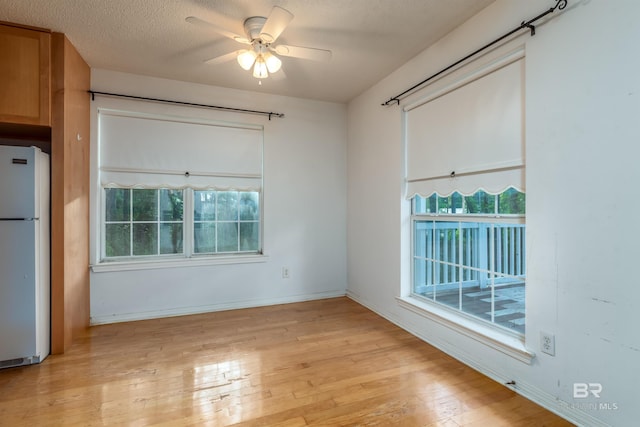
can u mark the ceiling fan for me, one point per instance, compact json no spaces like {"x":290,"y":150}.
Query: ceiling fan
{"x":260,"y":34}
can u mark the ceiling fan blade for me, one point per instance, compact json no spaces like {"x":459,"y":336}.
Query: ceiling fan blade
{"x":303,"y":52}
{"x":222,"y":58}
{"x":213,"y":27}
{"x":277,"y":21}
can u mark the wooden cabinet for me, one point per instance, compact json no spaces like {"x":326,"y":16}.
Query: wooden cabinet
{"x":44,"y":101}
{"x":25,"y":70}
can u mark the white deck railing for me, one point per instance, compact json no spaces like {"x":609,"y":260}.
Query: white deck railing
{"x":450,"y":254}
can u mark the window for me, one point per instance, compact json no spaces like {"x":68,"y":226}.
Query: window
{"x":469,"y":254}
{"x":175,"y":187}
{"x":465,"y":178}
{"x":146,"y":223}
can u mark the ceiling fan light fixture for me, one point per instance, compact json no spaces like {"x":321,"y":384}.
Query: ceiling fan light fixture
{"x":246,"y":58}
{"x":261,"y":54}
{"x":273,"y":62}
{"x":260,"y":68}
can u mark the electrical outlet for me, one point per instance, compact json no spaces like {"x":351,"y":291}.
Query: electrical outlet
{"x":548,"y":343}
{"x":285,"y":272}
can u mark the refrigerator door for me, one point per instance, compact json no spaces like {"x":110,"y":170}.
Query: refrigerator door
{"x":18,"y":289}
{"x":19,"y":182}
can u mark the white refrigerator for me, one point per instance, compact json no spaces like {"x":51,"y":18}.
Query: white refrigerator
{"x":24,"y":256}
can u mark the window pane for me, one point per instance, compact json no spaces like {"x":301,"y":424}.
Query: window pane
{"x":249,"y":236}
{"x":423,"y":239}
{"x":145,"y":205}
{"x":451,"y":204}
{"x":423,"y":277}
{"x":249,"y":207}
{"x":480,"y":203}
{"x":204,"y":235}
{"x":204,"y":205}
{"x":509,"y":249}
{"x":171,"y":205}
{"x":511,"y":201}
{"x":117,"y":240}
{"x":447,"y":288}
{"x":478,"y":268}
{"x":227,"y":205}
{"x":227,"y":237}
{"x":170,"y":238}
{"x":145,"y":239}
{"x":423,"y":205}
{"x":117,"y":204}
{"x":509,"y":306}
{"x":446,"y":249}
{"x":476,"y":300}
{"x":432,"y":203}
{"x":470,"y":241}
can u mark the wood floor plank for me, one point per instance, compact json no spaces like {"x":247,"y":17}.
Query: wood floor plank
{"x":318,"y":363}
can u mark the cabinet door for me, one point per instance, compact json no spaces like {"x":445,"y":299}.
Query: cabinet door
{"x":25,"y":76}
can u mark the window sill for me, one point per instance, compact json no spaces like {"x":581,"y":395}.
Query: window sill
{"x":151,"y":264}
{"x":504,"y":342}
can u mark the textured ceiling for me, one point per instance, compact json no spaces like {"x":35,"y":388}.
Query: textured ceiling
{"x":369,"y":38}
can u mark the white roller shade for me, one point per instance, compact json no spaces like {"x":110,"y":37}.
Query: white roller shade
{"x":138,"y":150}
{"x":469,"y":136}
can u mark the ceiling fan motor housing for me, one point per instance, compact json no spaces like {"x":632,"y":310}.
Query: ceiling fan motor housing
{"x":253,"y":26}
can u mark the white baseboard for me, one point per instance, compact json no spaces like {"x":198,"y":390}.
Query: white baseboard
{"x":541,"y":397}
{"x":234,"y":305}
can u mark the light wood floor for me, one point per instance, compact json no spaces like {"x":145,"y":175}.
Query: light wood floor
{"x":329,"y":362}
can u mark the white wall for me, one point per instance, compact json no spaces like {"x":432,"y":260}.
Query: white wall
{"x":304,"y":208}
{"x":582,"y":135}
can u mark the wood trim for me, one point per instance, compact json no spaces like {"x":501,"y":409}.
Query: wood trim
{"x":77,"y":143}
{"x":45,"y":79}
{"x":26,"y":27}
{"x":69,"y":195}
{"x":57,"y":197}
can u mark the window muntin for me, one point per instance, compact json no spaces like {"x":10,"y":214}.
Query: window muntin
{"x":144,"y":223}
{"x":469,"y":254}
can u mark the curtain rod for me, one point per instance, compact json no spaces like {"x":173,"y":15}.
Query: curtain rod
{"x":560,"y":4}
{"x":189,"y":104}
